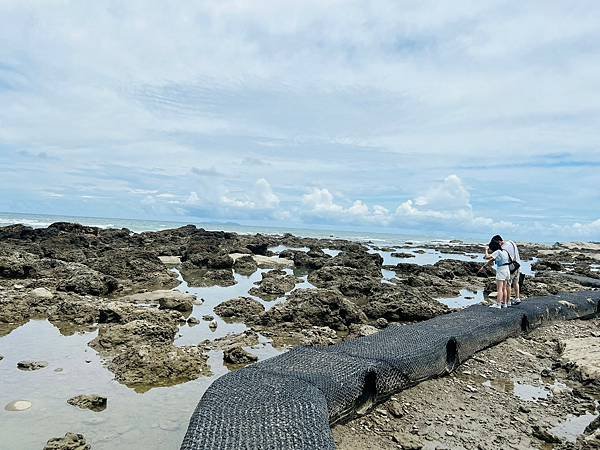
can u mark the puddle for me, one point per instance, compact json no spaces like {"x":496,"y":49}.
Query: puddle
{"x":215,"y":295}
{"x":82,"y":373}
{"x":280,"y":248}
{"x":465,"y":299}
{"x":427,"y":256}
{"x":154,"y":419}
{"x":524,"y":391}
{"x":387,"y":275}
{"x":572,"y":427}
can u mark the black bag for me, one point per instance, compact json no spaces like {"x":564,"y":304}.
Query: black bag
{"x":513,"y":265}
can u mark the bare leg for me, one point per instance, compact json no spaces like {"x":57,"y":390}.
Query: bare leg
{"x":507,"y":292}
{"x":517,"y":287}
{"x":500,"y":292}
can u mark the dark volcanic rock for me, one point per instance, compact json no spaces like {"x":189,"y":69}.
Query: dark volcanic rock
{"x":350,"y":281}
{"x":206,"y":277}
{"x":403,"y":306}
{"x":544,"y":264}
{"x":70,"y":441}
{"x":134,"y":265}
{"x":243,"y":309}
{"x":245,"y":265}
{"x":274,"y":283}
{"x":141,"y":354}
{"x":17,"y":265}
{"x":238,"y":356}
{"x":86,"y":281}
{"x":92,"y":402}
{"x":403,"y":255}
{"x":76,"y":311}
{"x":132,"y":333}
{"x":31,"y":365}
{"x":180,"y":303}
{"x":146,"y":366}
{"x":259,"y":248}
{"x":306,"y":307}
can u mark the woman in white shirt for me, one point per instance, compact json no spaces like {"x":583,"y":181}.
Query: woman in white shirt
{"x":501,"y":259}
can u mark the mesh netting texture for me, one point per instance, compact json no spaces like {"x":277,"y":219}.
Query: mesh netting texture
{"x":290,"y":401}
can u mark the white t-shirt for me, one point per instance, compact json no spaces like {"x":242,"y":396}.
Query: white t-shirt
{"x":512,"y":249}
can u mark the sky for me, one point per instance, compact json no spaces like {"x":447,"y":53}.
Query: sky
{"x":442,"y":118}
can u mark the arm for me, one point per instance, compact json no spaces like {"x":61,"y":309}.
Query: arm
{"x":489,"y":261}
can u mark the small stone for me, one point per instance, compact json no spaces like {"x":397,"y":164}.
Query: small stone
{"x":382,"y":322}
{"x":18,"y":286}
{"x":31,"y":365}
{"x":407,"y":441}
{"x":395,"y":409}
{"x":543,"y":435}
{"x":237,"y":355}
{"x":208,"y":317}
{"x":213,"y":325}
{"x":193,"y":320}
{"x":18,"y":405}
{"x":42,"y":293}
{"x":449,"y":433}
{"x":524,"y":409}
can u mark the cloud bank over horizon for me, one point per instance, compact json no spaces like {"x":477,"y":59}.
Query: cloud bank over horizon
{"x":387,"y":115}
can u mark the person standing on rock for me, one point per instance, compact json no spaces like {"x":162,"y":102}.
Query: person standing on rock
{"x":501,"y":258}
{"x":513,"y":251}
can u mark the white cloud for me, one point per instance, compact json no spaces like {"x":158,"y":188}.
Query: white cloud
{"x":261,"y":197}
{"x":193,"y":199}
{"x":445,"y":205}
{"x":224,"y":91}
{"x":320,"y":204}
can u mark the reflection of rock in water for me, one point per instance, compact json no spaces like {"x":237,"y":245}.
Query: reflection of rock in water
{"x":7,"y":328}
{"x":141,"y":354}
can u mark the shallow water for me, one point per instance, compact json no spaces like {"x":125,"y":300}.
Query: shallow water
{"x":465,"y":299}
{"x":156,"y":419}
{"x":524,"y":391}
{"x":573,"y":426}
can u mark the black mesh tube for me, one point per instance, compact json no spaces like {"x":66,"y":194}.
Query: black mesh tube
{"x":290,"y":401}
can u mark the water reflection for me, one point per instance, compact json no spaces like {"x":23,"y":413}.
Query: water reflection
{"x":465,"y":299}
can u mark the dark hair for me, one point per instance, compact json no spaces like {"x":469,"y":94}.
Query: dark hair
{"x":494,"y":245}
{"x":497,"y":238}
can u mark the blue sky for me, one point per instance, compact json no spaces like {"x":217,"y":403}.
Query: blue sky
{"x":440,"y":117}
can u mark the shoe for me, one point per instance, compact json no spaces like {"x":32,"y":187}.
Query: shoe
{"x":517,"y":301}
{"x":495,"y":305}
{"x":509,"y":304}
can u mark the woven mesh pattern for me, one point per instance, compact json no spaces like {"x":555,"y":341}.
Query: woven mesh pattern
{"x":562,"y":306}
{"x":289,"y":401}
{"x":252,"y":410}
{"x":341,"y":378}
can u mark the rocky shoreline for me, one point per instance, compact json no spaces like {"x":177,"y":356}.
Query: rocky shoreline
{"x":310,"y":292}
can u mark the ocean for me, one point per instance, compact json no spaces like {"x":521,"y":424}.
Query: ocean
{"x":138,"y":226}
